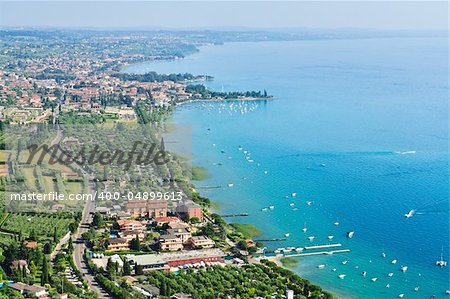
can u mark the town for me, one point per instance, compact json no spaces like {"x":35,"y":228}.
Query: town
{"x":52,"y":82}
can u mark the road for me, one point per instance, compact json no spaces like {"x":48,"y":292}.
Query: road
{"x":79,"y":243}
{"x":79,"y":246}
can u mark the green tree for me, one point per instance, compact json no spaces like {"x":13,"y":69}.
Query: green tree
{"x":45,"y":273}
{"x":135,"y":244}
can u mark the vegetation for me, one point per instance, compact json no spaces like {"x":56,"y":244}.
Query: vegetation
{"x":199,"y":173}
{"x":249,"y":281}
{"x":155,"y":77}
{"x":289,"y":262}
{"x":248,"y":230}
{"x":206,"y":93}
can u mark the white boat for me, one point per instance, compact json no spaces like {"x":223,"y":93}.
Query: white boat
{"x":388,"y":286}
{"x":410,"y":214}
{"x":344,"y":262}
{"x":447,"y":292}
{"x":309,"y":203}
{"x":323,"y":165}
{"x":311,"y":238}
{"x":374,"y":279}
{"x":330,"y":237}
{"x":334,"y":270}
{"x":401,"y":295}
{"x":271,"y":207}
{"x":292,"y":204}
{"x":341,"y":276}
{"x":390,"y":274}
{"x":394,"y":262}
{"x":404,"y":268}
{"x":286,"y":235}
{"x":441,"y":263}
{"x":277,"y":251}
{"x":266,"y":172}
{"x":383,"y":254}
{"x":416,"y":289}
{"x":304,"y":229}
{"x":364,"y":273}
{"x":350,"y":234}
{"x":264,"y":209}
{"x":291,"y":248}
{"x":321,"y":266}
{"x":336,"y":223}
{"x":294,"y":194}
{"x":299,"y":249}
{"x":230,"y":185}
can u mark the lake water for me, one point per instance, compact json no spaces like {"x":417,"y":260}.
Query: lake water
{"x":358,"y":127}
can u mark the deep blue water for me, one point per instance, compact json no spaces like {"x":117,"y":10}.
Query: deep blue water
{"x":343,"y":112}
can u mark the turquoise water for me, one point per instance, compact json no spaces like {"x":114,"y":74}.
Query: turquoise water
{"x":343,"y":114}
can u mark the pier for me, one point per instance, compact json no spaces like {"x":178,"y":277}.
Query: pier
{"x":317,"y":253}
{"x":234,"y":215}
{"x":270,"y":240}
{"x":323,"y":246}
{"x":209,"y":187}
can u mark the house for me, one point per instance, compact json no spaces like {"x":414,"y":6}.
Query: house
{"x":130,"y":225}
{"x":150,"y":208}
{"x":200,"y":242}
{"x":166,"y":220}
{"x":183,"y":233}
{"x":190,"y":210}
{"x":132,"y":234}
{"x":170,"y":242}
{"x":29,"y":290}
{"x":117,"y":244}
{"x":30,"y":244}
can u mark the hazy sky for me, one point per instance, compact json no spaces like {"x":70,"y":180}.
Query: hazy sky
{"x":414,"y":15}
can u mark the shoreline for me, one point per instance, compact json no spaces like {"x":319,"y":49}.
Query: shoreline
{"x":215,"y":100}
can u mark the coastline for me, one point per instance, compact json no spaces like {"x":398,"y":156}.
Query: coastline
{"x":249,"y":99}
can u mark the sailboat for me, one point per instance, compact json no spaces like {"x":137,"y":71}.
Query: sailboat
{"x":441,"y":263}
{"x":304,"y":229}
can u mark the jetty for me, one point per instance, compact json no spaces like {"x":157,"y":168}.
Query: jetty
{"x":323,"y":246}
{"x":317,"y":253}
{"x":209,"y":187}
{"x":270,"y":240}
{"x":234,"y":215}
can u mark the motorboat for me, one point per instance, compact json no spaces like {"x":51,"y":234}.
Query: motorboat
{"x":330,"y":237}
{"x":374,"y":279}
{"x":311,"y":238}
{"x":321,"y":266}
{"x":350,"y":234}
{"x":404,"y":268}
{"x":341,"y":276}
{"x":390,"y":274}
{"x":394,"y":262}
{"x":410,"y":214}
